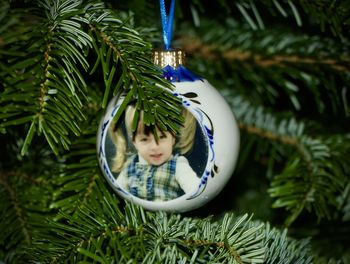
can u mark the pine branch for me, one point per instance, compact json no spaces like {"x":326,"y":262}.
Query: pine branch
{"x":288,"y":63}
{"x":50,"y":75}
{"x":17,"y":213}
{"x":19,"y":219}
{"x":100,"y":232}
{"x":284,"y":250}
{"x":315,"y":173}
{"x":335,"y":14}
{"x":120,"y":47}
{"x":322,"y":179}
{"x":52,"y":69}
{"x":326,"y":14}
{"x":79,"y":172}
{"x":345,"y":202}
{"x":288,"y":91}
{"x":79,"y":181}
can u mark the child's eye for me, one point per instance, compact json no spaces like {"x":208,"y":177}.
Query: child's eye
{"x":143,"y":139}
{"x":163,"y":135}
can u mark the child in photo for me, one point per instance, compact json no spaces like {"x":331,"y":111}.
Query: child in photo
{"x":158,"y":171}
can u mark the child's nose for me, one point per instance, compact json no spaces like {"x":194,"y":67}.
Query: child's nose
{"x":154,"y":143}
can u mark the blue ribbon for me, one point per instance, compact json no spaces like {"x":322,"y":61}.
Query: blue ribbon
{"x":180,"y":73}
{"x":167,"y":22}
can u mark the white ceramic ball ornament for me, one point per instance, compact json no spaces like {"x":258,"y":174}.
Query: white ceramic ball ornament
{"x":216,"y":142}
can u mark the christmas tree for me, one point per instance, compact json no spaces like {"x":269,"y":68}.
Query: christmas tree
{"x":284,"y":68}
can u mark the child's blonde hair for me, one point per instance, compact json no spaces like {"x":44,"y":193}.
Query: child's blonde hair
{"x":184,"y":143}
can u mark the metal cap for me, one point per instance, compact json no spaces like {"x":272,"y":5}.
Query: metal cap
{"x":173,"y":58}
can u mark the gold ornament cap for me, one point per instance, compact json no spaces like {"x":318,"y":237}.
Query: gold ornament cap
{"x":173,"y":58}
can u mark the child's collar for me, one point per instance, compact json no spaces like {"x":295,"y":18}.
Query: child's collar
{"x":144,"y":162}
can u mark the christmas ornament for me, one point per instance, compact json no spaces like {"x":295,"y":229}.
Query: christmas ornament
{"x":175,"y":172}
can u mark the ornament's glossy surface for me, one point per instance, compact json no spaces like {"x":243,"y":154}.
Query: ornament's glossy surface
{"x":213,"y":155}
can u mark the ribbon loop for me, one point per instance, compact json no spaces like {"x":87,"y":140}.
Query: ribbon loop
{"x":167,"y":22}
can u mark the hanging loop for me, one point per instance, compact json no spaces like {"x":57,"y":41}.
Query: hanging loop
{"x":167,"y":22}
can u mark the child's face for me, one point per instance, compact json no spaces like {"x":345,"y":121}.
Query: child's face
{"x":155,"y":153}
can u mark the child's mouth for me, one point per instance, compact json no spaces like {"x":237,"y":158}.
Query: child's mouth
{"x":156,"y":156}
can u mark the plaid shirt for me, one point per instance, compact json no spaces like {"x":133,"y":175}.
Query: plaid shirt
{"x":149,"y":182}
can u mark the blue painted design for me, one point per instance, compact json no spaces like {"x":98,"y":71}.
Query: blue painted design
{"x":211,"y":140}
{"x":205,"y":177}
{"x":179,"y":74}
{"x":104,"y":126}
{"x":115,"y":110}
{"x":208,"y":130}
{"x":121,"y":190}
{"x":101,"y":151}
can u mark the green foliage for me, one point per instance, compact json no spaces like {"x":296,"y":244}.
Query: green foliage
{"x":52,"y":62}
{"x":316,"y":169}
{"x":101,"y":232}
{"x":25,"y":196}
{"x":327,"y":15}
{"x":51,"y":85}
{"x":78,"y":174}
{"x":116,"y":47}
{"x":282,"y":65}
{"x":285,"y":250}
